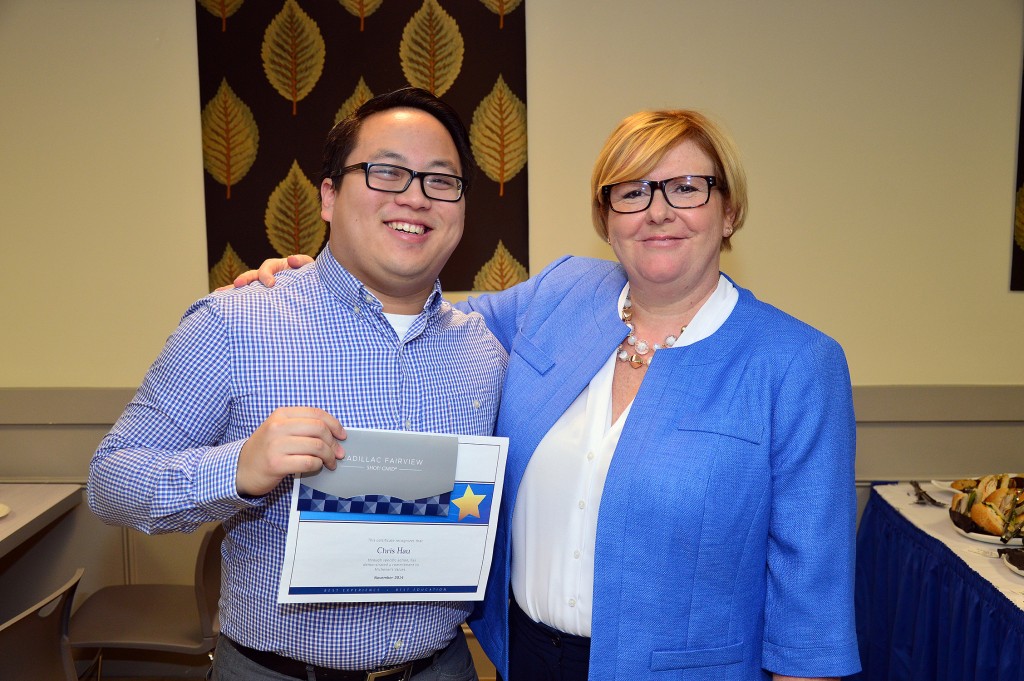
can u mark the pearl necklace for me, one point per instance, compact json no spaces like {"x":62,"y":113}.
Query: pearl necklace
{"x":639,"y":346}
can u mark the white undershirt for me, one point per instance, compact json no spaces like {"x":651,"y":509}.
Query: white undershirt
{"x":401,"y":323}
{"x":559,"y":496}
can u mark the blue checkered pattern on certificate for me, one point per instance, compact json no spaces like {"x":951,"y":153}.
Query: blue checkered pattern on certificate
{"x":314,"y":500}
{"x":319,"y":339}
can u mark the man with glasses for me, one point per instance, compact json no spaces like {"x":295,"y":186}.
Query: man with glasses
{"x":255,"y":384}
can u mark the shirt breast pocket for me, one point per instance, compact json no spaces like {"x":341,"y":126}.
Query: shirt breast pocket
{"x":462,"y":409}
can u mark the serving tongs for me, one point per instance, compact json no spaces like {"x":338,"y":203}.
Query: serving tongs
{"x":923,"y":497}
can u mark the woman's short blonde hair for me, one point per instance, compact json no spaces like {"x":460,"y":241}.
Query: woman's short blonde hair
{"x":640,"y":141}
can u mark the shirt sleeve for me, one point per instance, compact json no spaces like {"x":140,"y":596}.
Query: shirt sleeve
{"x":164,"y":467}
{"x":809,"y":615}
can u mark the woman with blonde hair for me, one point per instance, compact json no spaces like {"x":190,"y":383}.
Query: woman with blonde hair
{"x":679,"y":499}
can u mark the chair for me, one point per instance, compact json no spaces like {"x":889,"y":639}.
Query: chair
{"x":157,"y":617}
{"x":35,"y":643}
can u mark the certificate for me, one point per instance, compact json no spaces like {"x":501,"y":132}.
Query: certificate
{"x":404,"y":517}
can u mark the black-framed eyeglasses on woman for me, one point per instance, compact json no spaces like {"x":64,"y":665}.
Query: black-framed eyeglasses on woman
{"x":686,"y":191}
{"x":385,"y":177}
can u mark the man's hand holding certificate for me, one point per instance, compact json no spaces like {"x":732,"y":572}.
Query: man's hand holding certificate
{"x":404,"y":517}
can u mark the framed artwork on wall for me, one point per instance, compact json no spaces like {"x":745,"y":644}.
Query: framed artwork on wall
{"x":276,"y":75}
{"x":1017,"y":242}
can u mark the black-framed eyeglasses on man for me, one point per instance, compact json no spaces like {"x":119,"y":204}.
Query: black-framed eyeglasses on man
{"x":634,"y":196}
{"x":385,"y":177}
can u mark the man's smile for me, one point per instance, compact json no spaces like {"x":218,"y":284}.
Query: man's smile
{"x":408,"y":227}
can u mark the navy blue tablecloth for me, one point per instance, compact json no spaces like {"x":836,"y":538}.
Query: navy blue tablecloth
{"x":923,"y":614}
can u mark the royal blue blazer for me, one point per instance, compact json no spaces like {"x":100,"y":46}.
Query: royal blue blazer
{"x":725,"y":537}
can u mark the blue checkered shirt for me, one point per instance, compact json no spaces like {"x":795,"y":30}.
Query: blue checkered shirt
{"x":318,"y":338}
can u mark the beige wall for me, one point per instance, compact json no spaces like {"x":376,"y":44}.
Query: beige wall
{"x":880,"y":139}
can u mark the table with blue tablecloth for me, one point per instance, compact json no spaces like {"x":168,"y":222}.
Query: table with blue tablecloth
{"x":933,"y":604}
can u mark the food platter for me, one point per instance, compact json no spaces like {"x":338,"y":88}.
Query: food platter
{"x":990,"y":509}
{"x":988,"y":538}
{"x":947,"y":485}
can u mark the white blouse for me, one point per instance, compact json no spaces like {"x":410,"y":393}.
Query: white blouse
{"x":560,"y":494}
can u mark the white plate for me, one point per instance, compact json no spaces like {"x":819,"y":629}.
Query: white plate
{"x":947,"y":485}
{"x":4,"y":510}
{"x":988,"y":538}
{"x":1014,"y":568}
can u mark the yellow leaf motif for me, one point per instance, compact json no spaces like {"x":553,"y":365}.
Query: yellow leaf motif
{"x":498,"y":134}
{"x":293,"y":215}
{"x":361,"y":9}
{"x":222,"y":9}
{"x":501,"y":8}
{"x":230,"y":137}
{"x":293,"y":53}
{"x":431,"y":49}
{"x":225,"y":271}
{"x":502,"y":271}
{"x":1018,"y":223}
{"x":361,"y":95}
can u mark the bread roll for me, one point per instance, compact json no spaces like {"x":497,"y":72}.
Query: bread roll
{"x":987,"y":485}
{"x":998,"y":510}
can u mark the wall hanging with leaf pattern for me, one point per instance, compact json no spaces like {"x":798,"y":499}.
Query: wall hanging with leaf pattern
{"x":275,"y":75}
{"x":1017,"y":243}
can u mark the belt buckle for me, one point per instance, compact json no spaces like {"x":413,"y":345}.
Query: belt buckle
{"x":406,"y":668}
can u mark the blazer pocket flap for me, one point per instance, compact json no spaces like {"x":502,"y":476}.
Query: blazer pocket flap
{"x":663,"y":660}
{"x":747,"y":430}
{"x":534,"y":356}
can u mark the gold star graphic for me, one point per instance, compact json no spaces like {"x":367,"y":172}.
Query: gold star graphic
{"x":469,"y":503}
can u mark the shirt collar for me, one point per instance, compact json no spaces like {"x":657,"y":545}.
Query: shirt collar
{"x":349,"y":290}
{"x":710,"y":317}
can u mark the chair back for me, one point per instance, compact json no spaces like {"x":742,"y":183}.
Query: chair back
{"x":208,"y":582}
{"x":35,"y":643}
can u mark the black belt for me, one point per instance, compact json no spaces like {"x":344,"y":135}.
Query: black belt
{"x":301,"y":670}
